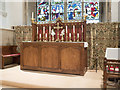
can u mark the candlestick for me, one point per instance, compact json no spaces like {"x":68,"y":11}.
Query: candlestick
{"x":73,"y":28}
{"x":70,"y":37}
{"x":62,"y":38}
{"x":85,"y":16}
{"x":37,"y":31}
{"x":32,"y":15}
{"x":49,"y":33}
{"x":43,"y":33}
{"x":66,"y":34}
{"x":69,"y":34}
{"x":73,"y":32}
{"x":52,"y":38}
{"x":53,"y":33}
{"x":43,"y":30}
{"x":77,"y":37}
{"x":33,"y":19}
{"x":46,"y":35}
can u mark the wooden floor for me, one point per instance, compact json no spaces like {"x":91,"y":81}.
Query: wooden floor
{"x":14,"y":77}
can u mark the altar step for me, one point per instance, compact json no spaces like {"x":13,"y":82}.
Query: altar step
{"x":15,"y":77}
{"x":10,"y":84}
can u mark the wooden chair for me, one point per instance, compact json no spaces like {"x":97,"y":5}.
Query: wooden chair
{"x":111,"y":67}
{"x":6,"y":52}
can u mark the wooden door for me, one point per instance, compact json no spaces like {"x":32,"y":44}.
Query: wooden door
{"x":30,"y":56}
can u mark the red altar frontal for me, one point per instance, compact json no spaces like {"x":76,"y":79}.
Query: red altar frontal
{"x":56,"y":47}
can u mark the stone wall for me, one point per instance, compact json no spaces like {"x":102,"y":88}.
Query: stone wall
{"x":99,"y":36}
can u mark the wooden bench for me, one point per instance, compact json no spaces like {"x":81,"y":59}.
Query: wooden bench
{"x":7,"y":52}
{"x":111,"y":70}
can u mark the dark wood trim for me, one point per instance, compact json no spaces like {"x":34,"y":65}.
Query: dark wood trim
{"x":34,"y":32}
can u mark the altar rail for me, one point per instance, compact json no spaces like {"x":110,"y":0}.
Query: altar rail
{"x":73,"y":31}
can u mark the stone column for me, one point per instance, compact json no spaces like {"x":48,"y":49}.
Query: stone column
{"x":114,"y":11}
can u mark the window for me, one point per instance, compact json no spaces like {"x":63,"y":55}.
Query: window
{"x":91,"y":8}
{"x":43,"y":10}
{"x":50,"y":10}
{"x":57,"y":9}
{"x":74,"y":9}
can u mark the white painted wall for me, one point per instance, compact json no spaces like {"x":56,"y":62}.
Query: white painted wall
{"x":0,"y":37}
{"x":12,"y":16}
{"x":14,"y":13}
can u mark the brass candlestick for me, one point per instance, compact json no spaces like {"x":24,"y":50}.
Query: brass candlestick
{"x":52,"y":38}
{"x":33,"y":21}
{"x":62,"y":38}
{"x":46,"y":37}
{"x":57,"y":40}
{"x":67,"y":38}
{"x":85,"y":16}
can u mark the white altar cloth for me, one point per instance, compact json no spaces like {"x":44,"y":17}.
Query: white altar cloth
{"x":112,"y":53}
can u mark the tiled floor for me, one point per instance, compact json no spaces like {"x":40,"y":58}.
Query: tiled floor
{"x":15,"y":77}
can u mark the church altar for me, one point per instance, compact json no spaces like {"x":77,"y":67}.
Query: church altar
{"x":103,"y":34}
{"x":56,"y":47}
{"x":63,"y":57}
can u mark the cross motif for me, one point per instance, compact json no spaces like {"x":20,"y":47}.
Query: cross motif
{"x":58,"y":27}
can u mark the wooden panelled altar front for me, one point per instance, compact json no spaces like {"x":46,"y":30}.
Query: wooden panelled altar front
{"x":54,"y":56}
{"x":56,"y":47}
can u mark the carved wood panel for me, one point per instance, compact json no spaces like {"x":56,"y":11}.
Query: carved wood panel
{"x":54,"y":57}
{"x":70,"y":59}
{"x":30,"y":56}
{"x":49,"y":57}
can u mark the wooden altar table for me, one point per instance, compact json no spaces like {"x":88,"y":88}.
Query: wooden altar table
{"x":63,"y":57}
{"x":56,"y":47}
